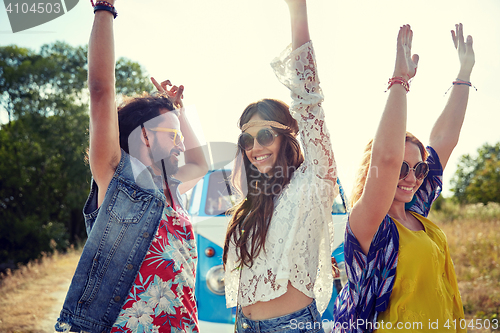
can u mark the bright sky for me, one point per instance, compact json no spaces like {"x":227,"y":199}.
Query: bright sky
{"x":220,"y":51}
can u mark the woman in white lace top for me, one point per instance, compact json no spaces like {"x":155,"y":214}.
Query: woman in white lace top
{"x":278,"y":247}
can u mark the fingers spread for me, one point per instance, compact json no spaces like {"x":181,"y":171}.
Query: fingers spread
{"x":461,"y":36}
{"x":410,"y":39}
{"x":400,"y":35}
{"x":164,"y":84}
{"x":156,"y":84}
{"x":178,"y":96}
{"x":415,"y":58}
{"x":404,"y":37}
{"x":181,"y":90}
{"x":469,"y":40}
{"x":468,"y":46}
{"x":455,"y":39}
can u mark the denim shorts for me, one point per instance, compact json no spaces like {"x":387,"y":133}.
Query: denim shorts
{"x":307,"y":319}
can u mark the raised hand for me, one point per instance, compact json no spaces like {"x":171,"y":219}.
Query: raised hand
{"x":175,"y":93}
{"x":465,"y":51}
{"x":298,"y":19}
{"x":406,"y":64}
{"x":295,"y":2}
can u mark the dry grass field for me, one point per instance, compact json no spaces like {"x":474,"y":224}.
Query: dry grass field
{"x":473,"y":234}
{"x":31,"y":296}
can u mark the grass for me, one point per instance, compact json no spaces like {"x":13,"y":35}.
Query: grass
{"x":473,"y":233}
{"x":30,"y":293}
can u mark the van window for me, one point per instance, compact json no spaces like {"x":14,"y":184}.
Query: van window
{"x":338,"y":205}
{"x":194,"y":196}
{"x":219,"y":199}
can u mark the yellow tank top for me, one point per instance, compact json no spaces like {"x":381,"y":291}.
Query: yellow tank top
{"x":425,"y":296}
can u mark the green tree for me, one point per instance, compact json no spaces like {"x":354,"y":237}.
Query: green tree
{"x":44,"y":179}
{"x":477,"y":179}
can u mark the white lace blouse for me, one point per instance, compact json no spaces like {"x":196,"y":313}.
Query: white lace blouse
{"x":300,"y":236}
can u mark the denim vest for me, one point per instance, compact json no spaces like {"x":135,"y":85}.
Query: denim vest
{"x":120,"y":233}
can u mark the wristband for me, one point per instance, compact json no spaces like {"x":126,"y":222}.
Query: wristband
{"x":459,"y":82}
{"x":104,"y":5}
{"x":399,"y":80}
{"x":463,"y":83}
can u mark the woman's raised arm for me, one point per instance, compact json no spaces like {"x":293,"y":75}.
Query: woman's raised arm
{"x":104,"y":153}
{"x":298,"y":17}
{"x":446,"y":130}
{"x":387,"y":150}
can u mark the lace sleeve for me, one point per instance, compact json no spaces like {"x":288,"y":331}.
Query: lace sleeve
{"x":430,"y":188}
{"x":297,"y":71}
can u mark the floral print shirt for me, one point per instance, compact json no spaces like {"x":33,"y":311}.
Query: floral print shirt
{"x":162,"y":297}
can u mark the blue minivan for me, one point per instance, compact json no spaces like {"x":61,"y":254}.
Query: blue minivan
{"x":207,"y":205}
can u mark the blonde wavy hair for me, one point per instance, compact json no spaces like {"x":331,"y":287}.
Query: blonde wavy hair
{"x":359,"y":184}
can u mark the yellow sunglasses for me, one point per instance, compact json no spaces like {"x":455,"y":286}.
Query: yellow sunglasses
{"x":178,"y":137}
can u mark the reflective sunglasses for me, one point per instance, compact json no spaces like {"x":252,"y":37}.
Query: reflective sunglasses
{"x":421,"y":170}
{"x":265,"y":137}
{"x":178,"y":137}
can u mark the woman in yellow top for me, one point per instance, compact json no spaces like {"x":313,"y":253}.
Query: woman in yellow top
{"x":401,"y":276}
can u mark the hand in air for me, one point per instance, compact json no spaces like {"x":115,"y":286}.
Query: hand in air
{"x":174,"y":94}
{"x":295,"y":2}
{"x":464,"y":48}
{"x":406,"y":64}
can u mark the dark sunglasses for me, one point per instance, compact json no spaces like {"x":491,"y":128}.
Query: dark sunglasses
{"x":265,"y":137}
{"x":421,"y":170}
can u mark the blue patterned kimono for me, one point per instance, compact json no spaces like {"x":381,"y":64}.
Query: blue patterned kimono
{"x":371,"y":277}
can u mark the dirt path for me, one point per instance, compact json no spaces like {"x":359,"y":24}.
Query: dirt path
{"x":47,"y":325}
{"x":33,"y":295}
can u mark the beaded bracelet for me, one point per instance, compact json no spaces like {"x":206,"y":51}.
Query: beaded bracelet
{"x":399,"y":80}
{"x":104,"y":5}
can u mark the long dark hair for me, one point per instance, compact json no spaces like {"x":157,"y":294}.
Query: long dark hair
{"x":251,"y":216}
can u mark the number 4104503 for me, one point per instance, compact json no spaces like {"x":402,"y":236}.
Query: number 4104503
{"x":472,"y":324}
{"x":38,"y":8}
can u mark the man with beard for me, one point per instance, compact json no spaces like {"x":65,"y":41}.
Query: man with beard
{"x":137,"y":269}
